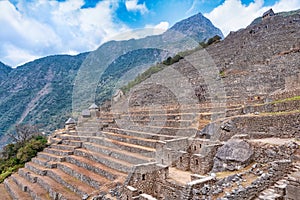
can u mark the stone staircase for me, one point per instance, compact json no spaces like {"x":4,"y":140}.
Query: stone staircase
{"x":95,"y":157}
{"x":63,"y":171}
{"x":277,"y":190}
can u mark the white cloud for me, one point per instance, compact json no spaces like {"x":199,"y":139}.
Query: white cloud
{"x":141,"y":33}
{"x":286,"y":5}
{"x":40,"y":28}
{"x":158,"y":28}
{"x":233,"y":15}
{"x":162,"y":26}
{"x":17,"y":55}
{"x":132,"y":5}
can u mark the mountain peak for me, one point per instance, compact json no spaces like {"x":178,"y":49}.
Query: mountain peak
{"x":197,"y":27}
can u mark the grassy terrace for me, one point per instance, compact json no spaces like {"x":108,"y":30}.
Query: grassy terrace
{"x":296,"y":98}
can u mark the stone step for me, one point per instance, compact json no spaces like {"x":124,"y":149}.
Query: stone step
{"x":268,"y":191}
{"x":70,"y":182}
{"x":51,"y":157}
{"x":44,"y":162}
{"x":129,"y":139}
{"x":108,"y":161}
{"x":184,"y":132}
{"x":54,"y":140}
{"x":4,"y":193}
{"x":73,"y":133}
{"x":160,"y":123}
{"x":87,"y":129}
{"x":190,"y":108}
{"x":82,"y":174}
{"x":107,"y":120}
{"x":87,"y":133}
{"x":162,"y":116}
{"x":14,"y":191}
{"x":57,"y":152}
{"x":146,"y":151}
{"x":141,"y":134}
{"x":281,"y":181}
{"x":68,"y":176}
{"x":63,"y":147}
{"x":74,"y":137}
{"x":117,"y":153}
{"x":54,"y":189}
{"x":28,"y":175}
{"x":72,"y":143}
{"x":270,"y":196}
{"x":33,"y":189}
{"x":37,"y":169}
{"x":95,"y":167}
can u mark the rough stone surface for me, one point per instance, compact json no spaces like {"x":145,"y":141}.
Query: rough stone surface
{"x":232,"y":154}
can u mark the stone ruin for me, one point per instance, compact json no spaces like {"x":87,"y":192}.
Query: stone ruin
{"x":94,"y":158}
{"x":180,"y":151}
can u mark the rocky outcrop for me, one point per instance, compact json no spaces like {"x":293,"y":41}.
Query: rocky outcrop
{"x":233,"y":155}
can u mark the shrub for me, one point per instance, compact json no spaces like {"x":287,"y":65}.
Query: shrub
{"x":17,"y":154}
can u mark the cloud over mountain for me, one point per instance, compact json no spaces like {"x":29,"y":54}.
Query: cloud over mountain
{"x":233,"y":14}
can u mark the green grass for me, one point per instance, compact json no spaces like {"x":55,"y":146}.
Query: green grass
{"x":222,"y":74}
{"x":9,"y":171}
{"x":279,"y":113}
{"x":295,"y":98}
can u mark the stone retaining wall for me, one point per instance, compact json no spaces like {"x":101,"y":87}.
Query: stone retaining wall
{"x":264,"y":153}
{"x":261,"y":126}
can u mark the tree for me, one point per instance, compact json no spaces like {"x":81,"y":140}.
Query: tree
{"x":214,"y":39}
{"x":24,"y":132}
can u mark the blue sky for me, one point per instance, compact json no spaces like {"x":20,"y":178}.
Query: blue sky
{"x":31,"y":29}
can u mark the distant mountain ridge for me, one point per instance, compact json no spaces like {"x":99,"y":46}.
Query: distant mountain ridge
{"x":197,"y":27}
{"x":40,"y":92}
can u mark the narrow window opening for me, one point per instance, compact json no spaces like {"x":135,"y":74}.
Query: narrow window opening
{"x":143,"y":177}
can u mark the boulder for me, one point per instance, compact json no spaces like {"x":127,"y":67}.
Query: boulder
{"x":227,"y":126}
{"x":232,"y":155}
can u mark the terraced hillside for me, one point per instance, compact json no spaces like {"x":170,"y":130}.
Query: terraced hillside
{"x":227,"y":129}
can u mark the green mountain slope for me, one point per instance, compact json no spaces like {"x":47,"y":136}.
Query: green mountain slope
{"x":38,"y":92}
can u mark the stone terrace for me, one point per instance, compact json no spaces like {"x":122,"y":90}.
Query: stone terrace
{"x":97,"y":155}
